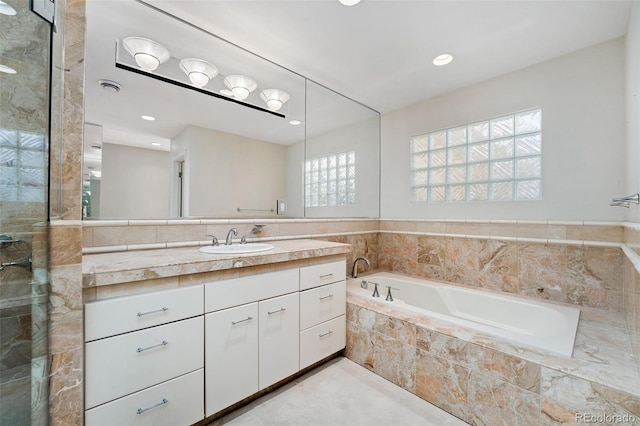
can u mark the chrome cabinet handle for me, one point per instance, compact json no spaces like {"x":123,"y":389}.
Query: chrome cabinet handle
{"x":143,"y":410}
{"x":163,"y":309}
{"x":275,"y":312}
{"x":326,"y":276}
{"x":164,"y":343}
{"x":325,"y":334}
{"x":242,"y":320}
{"x":326,"y":297}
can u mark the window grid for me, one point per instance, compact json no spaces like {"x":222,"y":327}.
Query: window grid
{"x":23,"y":166}
{"x":493,"y":160}
{"x":331,"y":180}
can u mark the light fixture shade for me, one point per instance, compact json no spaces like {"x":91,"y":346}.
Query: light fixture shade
{"x":147,"y":53}
{"x":274,"y":98}
{"x":240,"y":85}
{"x":199,"y":72}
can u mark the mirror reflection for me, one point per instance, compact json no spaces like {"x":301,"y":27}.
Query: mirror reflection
{"x":176,"y":132}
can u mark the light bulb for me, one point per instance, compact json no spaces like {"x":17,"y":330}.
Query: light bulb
{"x":147,"y":61}
{"x":198,"y":79}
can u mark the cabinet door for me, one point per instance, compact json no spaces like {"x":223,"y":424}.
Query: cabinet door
{"x":177,"y":402}
{"x":279,"y":338}
{"x":231,"y":356}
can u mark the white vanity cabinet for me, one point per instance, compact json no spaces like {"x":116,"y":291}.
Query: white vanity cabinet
{"x":251,"y":335}
{"x":322,"y":311}
{"x":142,"y":353}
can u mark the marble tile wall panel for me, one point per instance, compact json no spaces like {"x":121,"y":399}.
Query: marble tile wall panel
{"x":577,"y":274}
{"x":478,"y":384}
{"x":65,"y":357}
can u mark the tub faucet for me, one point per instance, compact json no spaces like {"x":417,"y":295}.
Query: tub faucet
{"x":389,"y":297}
{"x":232,"y":233}
{"x":354,"y":270}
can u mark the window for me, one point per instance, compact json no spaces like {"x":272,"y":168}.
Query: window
{"x":23,"y":166}
{"x":492,"y":160}
{"x":331,"y":181}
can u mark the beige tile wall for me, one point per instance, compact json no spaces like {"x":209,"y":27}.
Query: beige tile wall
{"x":477,"y":384}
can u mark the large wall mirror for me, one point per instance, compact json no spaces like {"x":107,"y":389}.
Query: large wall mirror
{"x":209,"y":151}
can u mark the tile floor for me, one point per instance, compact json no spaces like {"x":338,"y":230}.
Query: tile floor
{"x":339,"y":393}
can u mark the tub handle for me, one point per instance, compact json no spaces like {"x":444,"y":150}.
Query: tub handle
{"x":389,"y":297}
{"x":375,"y":289}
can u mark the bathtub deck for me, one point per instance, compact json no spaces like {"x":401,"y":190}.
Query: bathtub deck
{"x":602,"y":374}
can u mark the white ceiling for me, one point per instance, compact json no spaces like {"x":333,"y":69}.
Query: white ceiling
{"x":379,"y":52}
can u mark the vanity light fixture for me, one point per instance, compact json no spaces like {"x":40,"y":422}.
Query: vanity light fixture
{"x":240,"y":85}
{"x":199,"y":72}
{"x":295,"y":122}
{"x":349,"y":2}
{"x":5,"y":9}
{"x":443,"y":59}
{"x":7,"y":70}
{"x":148,"y":117}
{"x":274,"y":98}
{"x":147,"y":53}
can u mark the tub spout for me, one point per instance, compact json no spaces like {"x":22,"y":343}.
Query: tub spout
{"x":354,"y":270}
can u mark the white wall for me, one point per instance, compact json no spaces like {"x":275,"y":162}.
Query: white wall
{"x":362,"y":138}
{"x":134,"y":182}
{"x":226,"y":171}
{"x":632,"y":98}
{"x":583,"y":113}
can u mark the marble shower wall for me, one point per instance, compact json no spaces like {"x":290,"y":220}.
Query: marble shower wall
{"x":65,"y":230}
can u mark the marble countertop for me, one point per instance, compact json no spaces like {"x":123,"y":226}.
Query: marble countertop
{"x":115,"y":268}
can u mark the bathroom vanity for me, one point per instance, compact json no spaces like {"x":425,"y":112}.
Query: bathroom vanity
{"x":185,"y":353}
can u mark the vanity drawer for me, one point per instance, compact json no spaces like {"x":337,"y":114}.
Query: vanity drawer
{"x":124,"y":364}
{"x":238,"y":291}
{"x":326,"y":273}
{"x":321,"y":304}
{"x":123,"y":314}
{"x":178,"y":401}
{"x":322,"y":340}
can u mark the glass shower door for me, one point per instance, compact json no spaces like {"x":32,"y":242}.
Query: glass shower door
{"x":24,"y":142}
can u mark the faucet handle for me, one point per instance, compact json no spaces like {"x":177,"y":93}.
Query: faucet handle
{"x":243,"y":240}
{"x":389,"y":297}
{"x":214,"y":242}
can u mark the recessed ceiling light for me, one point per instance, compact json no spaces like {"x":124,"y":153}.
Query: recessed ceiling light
{"x":349,"y":2}
{"x":148,"y":118}
{"x":6,"y":69}
{"x":5,"y":9}
{"x":294,"y":122}
{"x":156,"y":144}
{"x":443,"y":59}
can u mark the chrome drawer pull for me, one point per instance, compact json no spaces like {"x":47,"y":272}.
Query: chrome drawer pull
{"x":326,"y":276}
{"x":326,"y":297}
{"x":142,"y":410}
{"x":242,"y":320}
{"x":164,"y":309}
{"x":325,"y":334}
{"x":275,"y":312}
{"x":164,"y":343}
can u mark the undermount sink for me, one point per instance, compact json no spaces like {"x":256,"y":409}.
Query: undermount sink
{"x":236,"y":248}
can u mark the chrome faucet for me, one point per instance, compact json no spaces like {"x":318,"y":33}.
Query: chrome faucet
{"x":232,"y":233}
{"x":354,"y":270}
{"x":25,"y":262}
